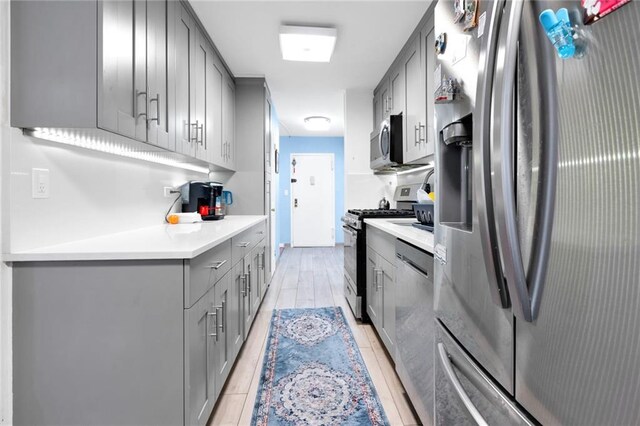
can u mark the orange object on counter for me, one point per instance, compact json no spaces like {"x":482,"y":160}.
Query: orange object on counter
{"x":173,"y":219}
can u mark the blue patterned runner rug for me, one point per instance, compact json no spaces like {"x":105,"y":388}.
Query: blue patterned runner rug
{"x":313,"y":373}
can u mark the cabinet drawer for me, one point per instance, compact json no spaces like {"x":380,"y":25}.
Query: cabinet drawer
{"x":202,"y":272}
{"x":247,"y":240}
{"x":382,"y":243}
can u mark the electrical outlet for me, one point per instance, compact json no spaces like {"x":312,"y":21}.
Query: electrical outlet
{"x":40,"y":187}
{"x":167,"y":191}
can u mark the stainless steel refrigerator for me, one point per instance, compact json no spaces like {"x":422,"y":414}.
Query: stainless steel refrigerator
{"x":537,"y":270}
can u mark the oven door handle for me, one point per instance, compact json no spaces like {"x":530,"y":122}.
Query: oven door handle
{"x":350,"y":231}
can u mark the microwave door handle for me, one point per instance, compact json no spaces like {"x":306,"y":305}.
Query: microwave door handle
{"x":482,"y":159}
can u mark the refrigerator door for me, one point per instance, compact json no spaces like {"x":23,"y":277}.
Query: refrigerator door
{"x":466,"y":395}
{"x":577,"y":363}
{"x":469,"y":298}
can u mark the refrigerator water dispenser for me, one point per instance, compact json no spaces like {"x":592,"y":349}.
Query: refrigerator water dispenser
{"x":456,"y":177}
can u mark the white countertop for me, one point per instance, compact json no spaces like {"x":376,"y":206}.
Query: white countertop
{"x":402,"y":229}
{"x":182,"y":241}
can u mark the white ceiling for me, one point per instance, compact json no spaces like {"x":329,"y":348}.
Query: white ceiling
{"x":370,"y":34}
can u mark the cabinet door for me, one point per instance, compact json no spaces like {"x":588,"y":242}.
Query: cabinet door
{"x":214,"y":112}
{"x":202,"y":119}
{"x":160,"y":24}
{"x":185,"y":100}
{"x":199,"y":372}
{"x":429,"y":66}
{"x":397,"y":87}
{"x":387,"y":286}
{"x":385,"y":97}
{"x":222,"y":345}
{"x":248,"y":312}
{"x":414,"y":103}
{"x":373,"y":294}
{"x":228,"y":120}
{"x":236,"y":310}
{"x":257,"y":279}
{"x":122,"y":77}
{"x":378,"y":112}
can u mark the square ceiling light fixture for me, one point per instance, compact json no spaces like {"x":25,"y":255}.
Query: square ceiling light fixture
{"x":309,"y":44}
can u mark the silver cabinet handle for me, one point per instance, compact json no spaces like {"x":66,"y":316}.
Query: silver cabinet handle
{"x":422,"y":133}
{"x":468,"y":404}
{"x":249,"y":279}
{"x":264,"y":256}
{"x":390,"y":103}
{"x":243,"y":290}
{"x":217,"y":326}
{"x":200,"y":128}
{"x":217,"y":265}
{"x":416,"y":134}
{"x":157,"y":101}
{"x":379,"y":273}
{"x":243,"y":244}
{"x":136,"y":113}
{"x":223,"y":308}
{"x":194,"y":127}
{"x":214,"y":314}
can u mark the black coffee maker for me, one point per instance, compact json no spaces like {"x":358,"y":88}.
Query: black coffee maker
{"x":203,"y":198}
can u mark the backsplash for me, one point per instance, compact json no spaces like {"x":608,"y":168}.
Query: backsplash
{"x":91,"y":193}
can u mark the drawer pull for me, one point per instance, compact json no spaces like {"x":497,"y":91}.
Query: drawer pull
{"x":244,"y":244}
{"x":217,"y":265}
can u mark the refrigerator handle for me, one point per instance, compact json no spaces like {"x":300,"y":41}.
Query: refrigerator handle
{"x":527,"y":292}
{"x":482,"y":160}
{"x":451,"y":375}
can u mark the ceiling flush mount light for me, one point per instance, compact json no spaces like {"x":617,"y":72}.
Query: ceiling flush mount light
{"x":317,"y":123}
{"x":309,"y":44}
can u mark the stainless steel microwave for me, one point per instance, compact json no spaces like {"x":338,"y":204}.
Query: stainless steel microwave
{"x":386,"y":147}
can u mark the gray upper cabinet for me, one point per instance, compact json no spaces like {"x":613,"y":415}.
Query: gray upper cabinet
{"x":125,"y":70}
{"x":214,"y":113}
{"x":397,"y":87}
{"x":407,"y":88}
{"x":185,"y":90}
{"x":228,"y":121}
{"x":122,"y":81}
{"x":414,"y":119}
{"x":94,"y":66}
{"x":160,"y":94}
{"x":429,"y":65}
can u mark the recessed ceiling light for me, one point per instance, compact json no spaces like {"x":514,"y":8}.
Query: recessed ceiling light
{"x":310,"y":44}
{"x":317,"y":123}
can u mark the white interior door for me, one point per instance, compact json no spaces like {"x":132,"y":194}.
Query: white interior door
{"x":312,"y":200}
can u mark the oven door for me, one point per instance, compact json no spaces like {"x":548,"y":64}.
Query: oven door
{"x":350,"y":253}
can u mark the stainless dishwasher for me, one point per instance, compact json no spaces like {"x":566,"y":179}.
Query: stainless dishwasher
{"x":415,"y":330}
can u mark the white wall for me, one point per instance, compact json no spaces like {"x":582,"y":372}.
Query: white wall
{"x":363,"y":189}
{"x":92,"y":194}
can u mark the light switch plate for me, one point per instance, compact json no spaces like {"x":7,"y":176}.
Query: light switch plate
{"x":40,"y":185}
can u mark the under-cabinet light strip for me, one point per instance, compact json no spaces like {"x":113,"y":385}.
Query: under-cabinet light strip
{"x":110,"y":147}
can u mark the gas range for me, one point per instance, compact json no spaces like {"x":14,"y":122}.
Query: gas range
{"x":355,"y":217}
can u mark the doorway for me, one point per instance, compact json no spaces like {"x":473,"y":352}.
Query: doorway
{"x":312,"y":200}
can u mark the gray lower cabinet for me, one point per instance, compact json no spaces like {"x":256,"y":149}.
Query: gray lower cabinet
{"x":199,"y":374}
{"x":98,"y":343}
{"x":236,"y":322}
{"x":131,"y":342}
{"x":381,"y":286}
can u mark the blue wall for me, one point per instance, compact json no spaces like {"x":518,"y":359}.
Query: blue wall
{"x":298,"y":145}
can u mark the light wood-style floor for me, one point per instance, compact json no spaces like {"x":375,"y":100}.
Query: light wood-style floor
{"x":308,"y":277}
